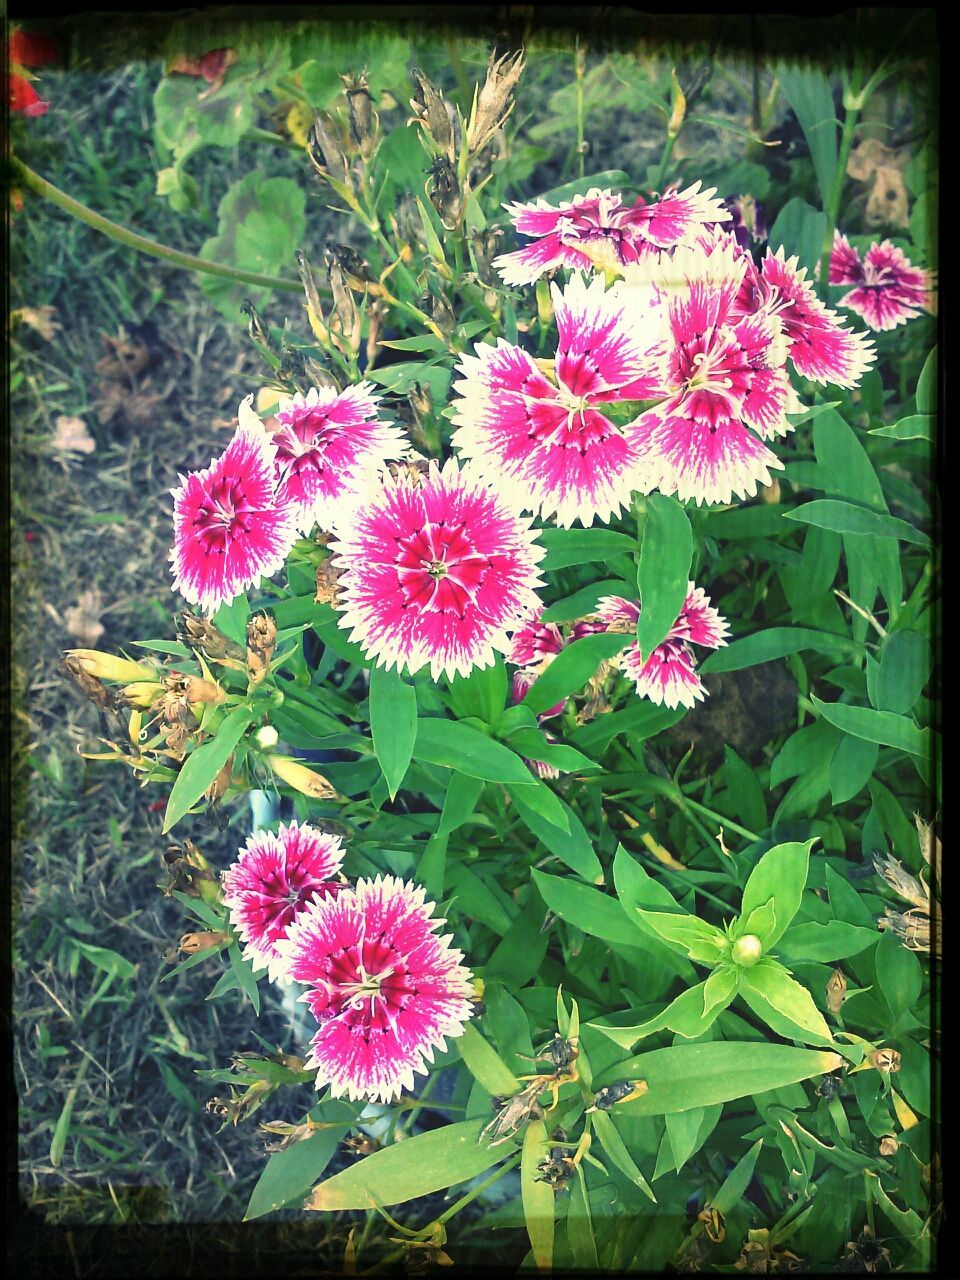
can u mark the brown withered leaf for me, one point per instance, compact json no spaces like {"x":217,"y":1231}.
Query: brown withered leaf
{"x":72,"y":436}
{"x":83,"y":619}
{"x":125,"y":357}
{"x":903,"y":884}
{"x":41,"y":320}
{"x":881,"y":167}
{"x":836,"y":991}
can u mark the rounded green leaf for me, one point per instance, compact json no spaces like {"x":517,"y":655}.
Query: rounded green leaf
{"x":780,"y":875}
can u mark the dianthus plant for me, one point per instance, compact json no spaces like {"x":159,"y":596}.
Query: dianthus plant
{"x":527,"y":482}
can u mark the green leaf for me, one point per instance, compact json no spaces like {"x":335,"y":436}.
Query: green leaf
{"x":261,"y":222}
{"x":666,"y":550}
{"x":734,"y":1186}
{"x":582,"y":602}
{"x":781,"y":874}
{"x":927,"y":385}
{"x":800,"y":229}
{"x":906,"y":661}
{"x":537,"y":796}
{"x":485,"y":1064}
{"x":482,"y":694}
{"x":459,"y":802}
{"x":885,"y":727}
{"x":702,"y":1075}
{"x":393,"y":724}
{"x":589,"y":909}
{"x":203,"y":764}
{"x":845,"y":903}
{"x":566,"y":547}
{"x":418,"y":1166}
{"x":776,"y":642}
{"x":810,"y":94}
{"x":761,"y":922}
{"x":572,"y":847}
{"x":833,"y":940}
{"x":539,"y":1209}
{"x":465,"y":749}
{"x":688,"y":934}
{"x":572,"y":668}
{"x":851,"y":768}
{"x":604,"y":1126}
{"x":532,"y":744}
{"x":687,"y":1015}
{"x":288,"y":1175}
{"x":918,"y":426}
{"x":899,"y":974}
{"x":746,"y":793}
{"x":844,"y":517}
{"x":580,"y":1237}
{"x":783,"y":1003}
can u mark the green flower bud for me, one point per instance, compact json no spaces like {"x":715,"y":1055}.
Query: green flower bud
{"x":747,"y":950}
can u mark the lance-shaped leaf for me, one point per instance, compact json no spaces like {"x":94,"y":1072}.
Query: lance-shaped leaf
{"x":783,"y":1003}
{"x":571,"y":669}
{"x":613,"y":1144}
{"x":780,"y":876}
{"x":289,"y":1174}
{"x":666,"y":550}
{"x":419,"y":1166}
{"x":687,"y":1015}
{"x":393,"y":724}
{"x":485,"y":1064}
{"x":694,"y":937}
{"x":538,"y":1197}
{"x":736,"y":1182}
{"x":203,"y":764}
{"x":762,"y":922}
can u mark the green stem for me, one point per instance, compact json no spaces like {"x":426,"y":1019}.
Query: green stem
{"x":850,"y":118}
{"x":33,"y":182}
{"x":665,"y":160}
{"x":487,"y":1182}
{"x":275,"y":139}
{"x":721,"y":819}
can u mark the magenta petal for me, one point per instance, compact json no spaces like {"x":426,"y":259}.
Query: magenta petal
{"x":229,"y":528}
{"x":674,"y":218}
{"x":700,"y":462}
{"x":699,"y":622}
{"x":384,"y":988}
{"x":845,"y":264}
{"x":668,"y":677}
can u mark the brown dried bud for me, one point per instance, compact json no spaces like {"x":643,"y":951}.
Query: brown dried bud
{"x":90,"y":686}
{"x":326,"y":152}
{"x":493,"y":103}
{"x":441,"y":312}
{"x":312,"y":305}
{"x":903,"y":884}
{"x":219,"y":786}
{"x":361,"y":1144}
{"x":431,"y":113}
{"x":889,"y":1146}
{"x":485,"y":246}
{"x":445,"y":193}
{"x":261,"y":642}
{"x":200,"y":634}
{"x":364,"y":122}
{"x":197,"y":690}
{"x":713,"y":1226}
{"x":836,"y":991}
{"x":191,"y":943}
{"x":352,"y":264}
{"x":885,"y":1060}
{"x":376,"y":315}
{"x":913,"y":928}
{"x":327,"y":583}
{"x":346,"y":316}
{"x":257,"y":330}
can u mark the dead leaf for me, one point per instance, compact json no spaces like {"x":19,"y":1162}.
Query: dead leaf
{"x":41,"y":319}
{"x":83,"y":619}
{"x":882,"y":169}
{"x":72,"y":435}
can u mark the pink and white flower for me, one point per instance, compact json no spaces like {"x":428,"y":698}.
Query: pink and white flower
{"x":230,"y":529}
{"x":437,"y":572}
{"x":328,"y":445}
{"x":821,"y":348}
{"x":668,"y":676}
{"x":598,"y":231}
{"x":541,"y":437}
{"x":385,"y":989}
{"x":888,"y":290}
{"x":722,"y":374}
{"x":274,"y":879}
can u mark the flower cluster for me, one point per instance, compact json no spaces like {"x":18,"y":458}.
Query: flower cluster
{"x":237,"y":520}
{"x":384,"y":988}
{"x":887,"y":289}
{"x":668,"y":676}
{"x":673,"y":378}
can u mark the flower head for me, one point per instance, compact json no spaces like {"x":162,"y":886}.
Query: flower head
{"x":722,"y":374}
{"x":384,"y":988}
{"x":330,"y":442}
{"x":545,"y":439}
{"x":888,"y":290}
{"x":598,"y":230}
{"x":435,"y":570}
{"x":229,"y":527}
{"x":821,"y":349}
{"x":274,"y":879}
{"x":669,"y":675}
{"x":26,"y":49}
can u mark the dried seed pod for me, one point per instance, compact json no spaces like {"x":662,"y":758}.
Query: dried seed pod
{"x":886,"y":1061}
{"x":199,"y":633}
{"x":364,"y":121}
{"x":191,"y":943}
{"x":327,"y":578}
{"x":89,"y":685}
{"x":445,"y":193}
{"x":430,"y":113}
{"x":261,"y":642}
{"x":326,"y":152}
{"x":493,"y":102}
{"x":836,"y":991}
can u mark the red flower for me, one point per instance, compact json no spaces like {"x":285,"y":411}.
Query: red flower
{"x":28,"y":50}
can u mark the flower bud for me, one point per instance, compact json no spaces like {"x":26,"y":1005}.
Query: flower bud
{"x":430,"y":113}
{"x":89,"y":685}
{"x":191,"y":943}
{"x":198,"y":633}
{"x":266,"y":737}
{"x":301,"y":778}
{"x":747,"y":950}
{"x":143,"y":694}
{"x":325,"y":151}
{"x":261,"y":642}
{"x":364,"y":124}
{"x":107,"y":666}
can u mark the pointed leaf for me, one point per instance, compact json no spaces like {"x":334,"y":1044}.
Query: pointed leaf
{"x":781,"y":875}
{"x":783,"y":1003}
{"x":666,"y":550}
{"x":539,"y":1209}
{"x":203,"y":764}
{"x":393,"y":724}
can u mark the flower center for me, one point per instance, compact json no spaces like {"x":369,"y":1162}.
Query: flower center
{"x":224,"y":513}
{"x":439,"y":570}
